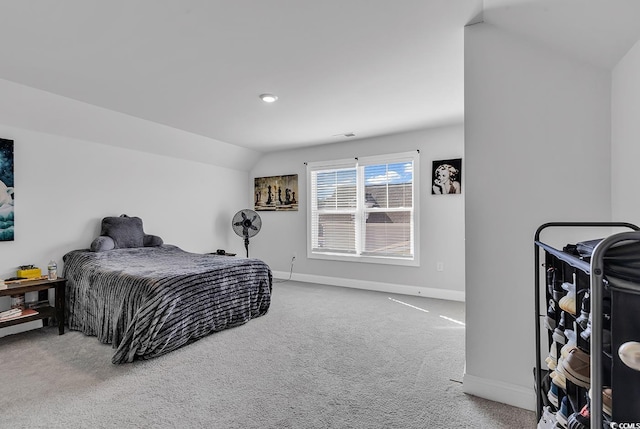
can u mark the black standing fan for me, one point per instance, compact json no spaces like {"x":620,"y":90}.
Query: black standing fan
{"x":246,"y":223}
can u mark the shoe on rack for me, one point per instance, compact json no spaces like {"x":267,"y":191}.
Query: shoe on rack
{"x":562,"y":416}
{"x":568,"y":302}
{"x":564,"y":351}
{"x":558,"y":333}
{"x":552,"y":394}
{"x":585,"y":307}
{"x":558,"y":292}
{"x":586,"y":331}
{"x":552,"y":364}
{"x":552,"y":359}
{"x":606,"y":336}
{"x":576,"y":367}
{"x":551,"y":279}
{"x":548,"y":419}
{"x":550,"y":318}
{"x":572,"y":338}
{"x":607,"y":400}
{"x":559,"y":379}
{"x":580,"y":420}
{"x":606,"y":320}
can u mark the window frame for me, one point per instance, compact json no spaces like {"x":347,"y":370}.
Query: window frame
{"x":360,"y":212}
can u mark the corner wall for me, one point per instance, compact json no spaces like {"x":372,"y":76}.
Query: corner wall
{"x":537,"y":147}
{"x":625,"y":135}
{"x":284,"y":234}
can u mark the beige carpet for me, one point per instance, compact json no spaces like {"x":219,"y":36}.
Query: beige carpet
{"x":323,"y":357}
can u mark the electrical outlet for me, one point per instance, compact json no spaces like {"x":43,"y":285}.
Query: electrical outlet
{"x":440,"y":266}
{"x":295,"y":255}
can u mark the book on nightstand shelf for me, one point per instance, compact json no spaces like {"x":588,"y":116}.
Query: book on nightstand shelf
{"x":37,"y":304}
{"x":16,"y":313}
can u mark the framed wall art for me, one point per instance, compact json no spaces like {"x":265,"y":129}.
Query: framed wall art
{"x":276,"y":193}
{"x":6,"y":190}
{"x":446,"y":177}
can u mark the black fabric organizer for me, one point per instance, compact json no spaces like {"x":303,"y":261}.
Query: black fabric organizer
{"x":609,"y":270}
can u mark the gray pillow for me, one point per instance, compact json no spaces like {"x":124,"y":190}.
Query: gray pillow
{"x":152,"y":241}
{"x":102,"y":243}
{"x":125,"y":231}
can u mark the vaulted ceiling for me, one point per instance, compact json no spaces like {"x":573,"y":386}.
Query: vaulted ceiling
{"x":367,"y":67}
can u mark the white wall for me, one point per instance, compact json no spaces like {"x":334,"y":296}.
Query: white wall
{"x":442,"y":223}
{"x":625,"y":137}
{"x":32,"y":109}
{"x":64,"y":186}
{"x":537,"y":148}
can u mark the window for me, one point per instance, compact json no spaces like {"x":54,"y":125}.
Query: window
{"x":364,"y":209}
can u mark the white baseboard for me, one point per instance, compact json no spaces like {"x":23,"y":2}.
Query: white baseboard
{"x":499,"y":391}
{"x":22,"y":327}
{"x":451,"y":295}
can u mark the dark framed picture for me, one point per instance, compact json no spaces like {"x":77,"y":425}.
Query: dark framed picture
{"x":6,"y":190}
{"x":276,"y":193}
{"x":446,"y":177}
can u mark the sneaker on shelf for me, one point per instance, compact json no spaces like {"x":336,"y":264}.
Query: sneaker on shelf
{"x":552,"y":359}
{"x":551,"y":279}
{"x":558,"y":291}
{"x":564,"y":352}
{"x":552,"y":394}
{"x":580,"y":420}
{"x":548,"y":419}
{"x":606,"y":336}
{"x":562,"y":416}
{"x":607,"y":400}
{"x":571,"y":344}
{"x":568,"y":302}
{"x":558,"y":333}
{"x":585,"y":307}
{"x":571,"y":337}
{"x":606,"y":321}
{"x":576,"y":367}
{"x":550,"y":318}
{"x":559,"y":379}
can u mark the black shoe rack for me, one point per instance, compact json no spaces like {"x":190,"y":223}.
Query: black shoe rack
{"x":610,"y":275}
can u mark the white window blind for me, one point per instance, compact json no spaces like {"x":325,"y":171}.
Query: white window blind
{"x":334,"y":226}
{"x":364,"y":209}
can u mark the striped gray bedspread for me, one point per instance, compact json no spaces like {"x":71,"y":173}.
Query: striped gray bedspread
{"x":149,"y":301}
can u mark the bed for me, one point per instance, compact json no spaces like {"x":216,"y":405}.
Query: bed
{"x":149,"y":300}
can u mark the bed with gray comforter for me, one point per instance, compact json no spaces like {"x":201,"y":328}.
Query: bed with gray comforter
{"x":148,"y":301}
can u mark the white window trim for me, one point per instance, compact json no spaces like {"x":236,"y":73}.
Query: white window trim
{"x":358,"y":162}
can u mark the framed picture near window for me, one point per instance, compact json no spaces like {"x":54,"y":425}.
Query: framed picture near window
{"x":446,"y":177}
{"x":6,"y":190}
{"x":276,"y":193}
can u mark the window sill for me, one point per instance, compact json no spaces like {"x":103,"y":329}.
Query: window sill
{"x":364,"y":259}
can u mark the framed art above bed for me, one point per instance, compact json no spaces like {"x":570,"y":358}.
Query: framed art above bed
{"x":7,"y":214}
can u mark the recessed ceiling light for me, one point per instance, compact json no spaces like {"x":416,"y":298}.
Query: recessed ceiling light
{"x":268,"y":98}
